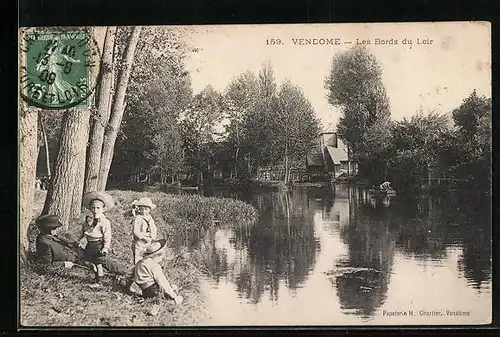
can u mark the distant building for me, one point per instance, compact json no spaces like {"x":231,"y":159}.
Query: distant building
{"x":315,"y":165}
{"x":330,"y":157}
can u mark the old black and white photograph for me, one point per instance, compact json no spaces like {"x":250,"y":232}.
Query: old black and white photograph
{"x":255,"y":175}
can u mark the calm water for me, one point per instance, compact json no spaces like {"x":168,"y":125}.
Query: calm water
{"x":324,"y":258}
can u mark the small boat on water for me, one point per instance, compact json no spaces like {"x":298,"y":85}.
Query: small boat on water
{"x":382,"y":192}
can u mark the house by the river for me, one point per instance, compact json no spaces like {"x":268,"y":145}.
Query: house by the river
{"x":330,"y":158}
{"x":328,"y":161}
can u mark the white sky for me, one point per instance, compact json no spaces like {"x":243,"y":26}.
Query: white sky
{"x":437,"y":76}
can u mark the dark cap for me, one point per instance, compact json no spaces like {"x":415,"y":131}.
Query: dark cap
{"x":48,"y":221}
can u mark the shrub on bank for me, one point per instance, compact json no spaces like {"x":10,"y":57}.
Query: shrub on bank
{"x":62,"y":297}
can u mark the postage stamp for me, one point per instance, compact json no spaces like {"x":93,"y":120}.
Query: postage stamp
{"x":256,"y":175}
{"x":60,"y":67}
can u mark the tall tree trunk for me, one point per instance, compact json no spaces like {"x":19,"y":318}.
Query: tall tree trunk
{"x":28,"y":129}
{"x":103,"y":112}
{"x":286,"y":165}
{"x":76,"y":205}
{"x":237,"y":152}
{"x":46,"y":144}
{"x":117,"y":110}
{"x":62,"y":195}
{"x":38,"y":149}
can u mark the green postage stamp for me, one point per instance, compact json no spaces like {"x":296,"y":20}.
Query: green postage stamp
{"x":59,"y":67}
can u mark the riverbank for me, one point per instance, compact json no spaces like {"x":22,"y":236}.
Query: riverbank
{"x":58,"y":297}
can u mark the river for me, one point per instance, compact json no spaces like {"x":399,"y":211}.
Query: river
{"x":324,"y":257}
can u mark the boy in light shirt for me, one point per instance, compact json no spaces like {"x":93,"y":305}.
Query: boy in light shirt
{"x":148,"y":274}
{"x":144,"y":228}
{"x":96,"y":231}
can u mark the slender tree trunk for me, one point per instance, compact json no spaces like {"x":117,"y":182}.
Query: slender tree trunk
{"x":348,"y":162}
{"x":103,"y":112}
{"x":46,"y":144}
{"x":62,"y":194}
{"x":237,"y":152}
{"x":38,"y":149}
{"x":117,"y":110}
{"x":286,"y":165}
{"x":76,"y":206}
{"x":28,"y":129}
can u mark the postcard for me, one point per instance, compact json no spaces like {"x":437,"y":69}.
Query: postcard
{"x":255,"y":175}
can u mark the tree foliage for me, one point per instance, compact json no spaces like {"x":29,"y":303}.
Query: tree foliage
{"x":160,"y":89}
{"x":198,"y":128}
{"x":472,"y":114}
{"x":473,"y":118}
{"x":150,"y":140}
{"x":413,"y":147}
{"x":239,"y":98}
{"x":354,"y":84}
{"x":268,"y":124}
{"x":425,"y":145}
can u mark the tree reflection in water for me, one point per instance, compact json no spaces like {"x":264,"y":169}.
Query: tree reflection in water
{"x":475,"y":260}
{"x":363,"y":275}
{"x":281,"y":249}
{"x":281,"y":246}
{"x":422,"y":228}
{"x":428,"y":226}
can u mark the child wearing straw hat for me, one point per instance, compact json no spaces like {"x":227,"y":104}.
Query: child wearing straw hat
{"x":148,"y":273}
{"x":144,"y":227}
{"x":96,"y":234}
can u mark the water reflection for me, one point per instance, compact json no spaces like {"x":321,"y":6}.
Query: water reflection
{"x":281,"y":246}
{"x":475,"y":260}
{"x":281,"y":253}
{"x":364,"y":272}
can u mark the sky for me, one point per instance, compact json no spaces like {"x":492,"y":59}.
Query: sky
{"x":436,"y":76}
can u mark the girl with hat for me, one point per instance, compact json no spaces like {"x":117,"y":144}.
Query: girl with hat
{"x":96,"y":230}
{"x":148,"y":273}
{"x":144,"y":228}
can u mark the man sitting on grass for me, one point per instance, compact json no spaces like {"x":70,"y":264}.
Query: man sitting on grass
{"x":52,"y":250}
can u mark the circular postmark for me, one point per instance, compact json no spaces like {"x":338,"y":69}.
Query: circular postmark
{"x":59,"y":67}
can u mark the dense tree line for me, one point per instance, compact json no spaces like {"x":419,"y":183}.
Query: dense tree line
{"x":268,"y":125}
{"x":414,"y":151}
{"x":254,"y":122}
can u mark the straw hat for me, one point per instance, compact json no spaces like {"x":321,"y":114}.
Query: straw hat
{"x":145,"y":202}
{"x":48,"y":221}
{"x":154,"y":247}
{"x":108,"y":201}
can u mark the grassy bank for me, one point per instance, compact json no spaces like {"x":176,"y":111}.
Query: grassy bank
{"x":58,"y":297}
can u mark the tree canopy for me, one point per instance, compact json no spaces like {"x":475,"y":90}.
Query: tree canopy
{"x":355,"y":85}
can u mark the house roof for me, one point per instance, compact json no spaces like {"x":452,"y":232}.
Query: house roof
{"x":337,"y":154}
{"x":315,"y":159}
{"x":330,"y":128}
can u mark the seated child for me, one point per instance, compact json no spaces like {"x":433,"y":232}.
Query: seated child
{"x":96,"y":231}
{"x":148,"y":274}
{"x":144,"y":228}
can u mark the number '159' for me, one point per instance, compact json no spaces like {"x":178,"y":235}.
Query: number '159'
{"x":273,"y":41}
